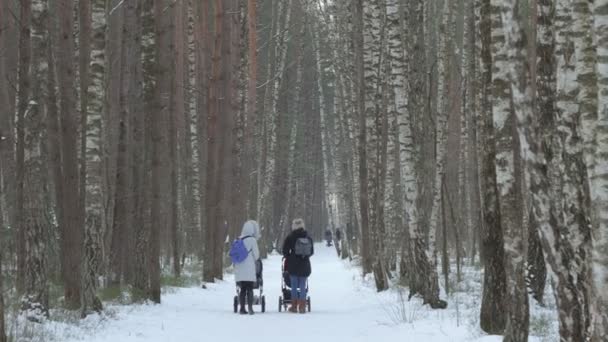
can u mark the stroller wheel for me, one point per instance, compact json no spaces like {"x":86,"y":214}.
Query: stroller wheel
{"x":308,"y":303}
{"x":236,"y":304}
{"x":280,"y":303}
{"x":263,"y":302}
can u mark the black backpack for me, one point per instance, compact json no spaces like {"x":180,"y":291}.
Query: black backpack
{"x":303,"y":247}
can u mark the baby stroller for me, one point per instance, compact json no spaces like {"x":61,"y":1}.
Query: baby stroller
{"x":285,"y":299}
{"x":258,"y":299}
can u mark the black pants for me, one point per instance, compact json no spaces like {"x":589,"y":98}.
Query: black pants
{"x":246,"y":291}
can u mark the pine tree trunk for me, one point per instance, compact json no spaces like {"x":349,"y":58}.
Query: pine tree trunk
{"x":35,"y":301}
{"x":176,"y":113}
{"x":84,"y":79}
{"x":122,"y":178}
{"x":5,"y":159}
{"x":248,"y":171}
{"x":111,"y":132}
{"x":188,"y":186}
{"x":7,"y":124}
{"x":214,"y":189}
{"x":3,"y":337}
{"x":203,"y":45}
{"x":160,"y":175}
{"x":23,"y":96}
{"x":138,"y":52}
{"x":71,"y":232}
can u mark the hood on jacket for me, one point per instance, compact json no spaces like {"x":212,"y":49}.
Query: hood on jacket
{"x":297,"y":224}
{"x":251,"y":228}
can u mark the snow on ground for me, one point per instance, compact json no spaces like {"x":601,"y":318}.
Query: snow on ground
{"x":344,"y":307}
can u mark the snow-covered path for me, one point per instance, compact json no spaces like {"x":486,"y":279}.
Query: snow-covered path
{"x":343,"y":308}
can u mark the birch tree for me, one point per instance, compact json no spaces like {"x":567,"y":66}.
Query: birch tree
{"x":510,"y":66}
{"x":569,"y":190}
{"x":424,"y":279}
{"x":600,"y":181}
{"x":398,"y":116}
{"x":492,"y":316}
{"x":94,"y":200}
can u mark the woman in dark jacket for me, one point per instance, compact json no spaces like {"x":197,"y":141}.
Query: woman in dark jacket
{"x":297,"y":249}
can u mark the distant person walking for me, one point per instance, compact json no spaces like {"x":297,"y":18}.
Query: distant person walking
{"x":338,"y":240}
{"x":245,"y":271}
{"x":297,"y":250}
{"x":328,"y":237}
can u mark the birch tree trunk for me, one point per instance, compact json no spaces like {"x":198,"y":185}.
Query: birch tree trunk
{"x":441,"y":119}
{"x":507,"y":40}
{"x":492,"y":317}
{"x":95,"y":224}
{"x":600,"y":181}
{"x":569,"y":191}
{"x":267,"y":188}
{"x":376,"y":125}
{"x":472,"y":51}
{"x":424,"y":279}
{"x":362,"y":104}
{"x":397,"y":111}
{"x":409,"y":151}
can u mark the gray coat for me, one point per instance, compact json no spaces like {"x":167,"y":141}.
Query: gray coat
{"x":245,"y":271}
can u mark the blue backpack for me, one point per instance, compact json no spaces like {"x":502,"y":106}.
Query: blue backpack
{"x":238,"y":251}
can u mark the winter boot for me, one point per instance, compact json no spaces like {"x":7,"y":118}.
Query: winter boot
{"x":250,"y":301}
{"x":242,"y":302}
{"x":294,"y":305}
{"x":302,"y":307}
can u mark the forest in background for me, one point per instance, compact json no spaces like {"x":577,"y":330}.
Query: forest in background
{"x":136,"y":136}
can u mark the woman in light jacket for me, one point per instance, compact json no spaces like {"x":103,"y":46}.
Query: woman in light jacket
{"x":245,"y":272}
